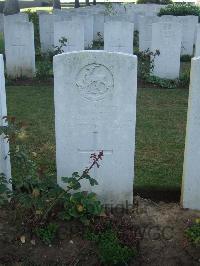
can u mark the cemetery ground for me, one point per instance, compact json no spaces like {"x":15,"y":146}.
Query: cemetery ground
{"x":160,"y":135}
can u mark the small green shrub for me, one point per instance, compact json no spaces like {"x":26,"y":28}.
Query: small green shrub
{"x":35,"y":194}
{"x":184,"y":79}
{"x":163,"y":83}
{"x":180,"y":9}
{"x":146,"y":63}
{"x":111,"y":251}
{"x":82,"y":205}
{"x":136,"y":39}
{"x":193,"y":233}
{"x":160,"y":2}
{"x":44,"y":69}
{"x":186,"y":58}
{"x":48,"y":233}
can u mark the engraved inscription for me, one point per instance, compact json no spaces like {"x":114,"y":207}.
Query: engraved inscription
{"x":94,"y":81}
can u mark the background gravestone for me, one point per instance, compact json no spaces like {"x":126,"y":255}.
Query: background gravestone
{"x":73,"y":31}
{"x":88,"y":22}
{"x":19,"y":49}
{"x":118,"y":36}
{"x":95,"y":109}
{"x":197,"y":44}
{"x":191,"y":167}
{"x":5,"y":167}
{"x":145,"y":32}
{"x":46,"y":32}
{"x":166,"y":37}
{"x":189,"y":24}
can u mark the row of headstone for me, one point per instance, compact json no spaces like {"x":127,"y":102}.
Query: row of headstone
{"x":101,"y":88}
{"x":187,"y":24}
{"x":79,"y":30}
{"x":98,"y":97}
{"x":93,"y":18}
{"x":19,"y":46}
{"x":5,"y":167}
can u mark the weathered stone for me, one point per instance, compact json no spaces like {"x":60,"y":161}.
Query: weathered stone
{"x":5,"y":167}
{"x":19,"y":49}
{"x":191,"y":167}
{"x":73,"y":31}
{"x":197,"y":44}
{"x":145,"y":32}
{"x":95,"y":109}
{"x":118,"y":36}
{"x":46,"y":22}
{"x":166,"y":38}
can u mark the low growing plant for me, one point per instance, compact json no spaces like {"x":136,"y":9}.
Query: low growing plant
{"x":45,"y":62}
{"x":48,"y":233}
{"x":111,"y":250}
{"x":36,"y":195}
{"x":186,"y":58}
{"x":163,"y":83}
{"x":146,"y":63}
{"x":193,"y":232}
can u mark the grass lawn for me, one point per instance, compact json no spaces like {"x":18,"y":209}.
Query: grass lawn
{"x":1,"y":43}
{"x":160,"y":132}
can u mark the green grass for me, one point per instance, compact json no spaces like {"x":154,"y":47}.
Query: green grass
{"x":1,"y":43}
{"x":160,"y":137}
{"x":160,"y":133}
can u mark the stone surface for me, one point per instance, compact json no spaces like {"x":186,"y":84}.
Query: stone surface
{"x":46,"y":32}
{"x":189,"y":24}
{"x":5,"y":167}
{"x":19,"y":49}
{"x":118,"y":36}
{"x":191,"y":168}
{"x":88,"y":22}
{"x":95,"y":109}
{"x":21,"y":17}
{"x":145,"y":32}
{"x":73,"y":31}
{"x":166,"y":37}
{"x":98,"y":33}
{"x":197,"y":44}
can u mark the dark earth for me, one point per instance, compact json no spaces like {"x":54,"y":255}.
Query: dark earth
{"x":160,"y":233}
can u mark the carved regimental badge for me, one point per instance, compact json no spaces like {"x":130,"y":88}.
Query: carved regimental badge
{"x":94,"y":81}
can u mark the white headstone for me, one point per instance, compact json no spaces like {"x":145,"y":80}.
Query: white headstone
{"x":145,"y":32}
{"x":19,"y":49}
{"x":46,"y":32}
{"x":118,"y":36}
{"x":189,"y":24}
{"x":73,"y":31}
{"x":88,"y":22}
{"x":191,"y":167}
{"x":197,"y":44}
{"x":5,"y":167}
{"x":98,"y":33}
{"x":95,"y":109}
{"x":21,"y":17}
{"x":166,"y":37}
